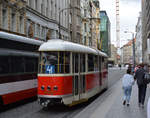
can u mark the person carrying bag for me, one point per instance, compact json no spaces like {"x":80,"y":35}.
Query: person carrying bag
{"x":140,"y":76}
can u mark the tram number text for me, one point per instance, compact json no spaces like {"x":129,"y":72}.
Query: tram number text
{"x":50,"y":69}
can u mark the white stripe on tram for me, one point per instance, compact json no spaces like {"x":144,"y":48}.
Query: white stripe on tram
{"x":17,"y":86}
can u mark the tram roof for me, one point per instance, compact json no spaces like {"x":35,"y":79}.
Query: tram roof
{"x":8,"y":52}
{"x":102,"y":53}
{"x":14,"y":37}
{"x":61,"y":45}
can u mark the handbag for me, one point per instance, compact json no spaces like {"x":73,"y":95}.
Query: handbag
{"x":146,"y":78}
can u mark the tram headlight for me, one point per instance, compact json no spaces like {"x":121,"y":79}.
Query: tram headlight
{"x":42,"y":87}
{"x":49,"y":88}
{"x":55,"y":88}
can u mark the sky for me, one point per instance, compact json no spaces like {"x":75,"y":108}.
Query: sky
{"x":129,"y":13}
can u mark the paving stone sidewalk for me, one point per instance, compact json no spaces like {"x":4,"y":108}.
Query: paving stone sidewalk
{"x":109,"y":105}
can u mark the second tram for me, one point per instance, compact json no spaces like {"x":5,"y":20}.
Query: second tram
{"x":18,"y":67}
{"x":70,"y":73}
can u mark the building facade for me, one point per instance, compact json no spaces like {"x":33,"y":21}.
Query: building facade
{"x":90,"y":23}
{"x":75,"y":21}
{"x":145,"y":31}
{"x":44,"y":18}
{"x":97,"y":20}
{"x":105,"y":33}
{"x":138,"y":43}
{"x":127,"y":53}
{"x":93,"y":22}
{"x":85,"y":15}
{"x":13,"y":16}
{"x":113,"y":58}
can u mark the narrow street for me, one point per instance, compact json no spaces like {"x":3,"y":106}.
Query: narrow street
{"x":34,"y":110}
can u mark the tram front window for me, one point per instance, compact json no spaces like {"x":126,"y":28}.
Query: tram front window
{"x":54,"y":62}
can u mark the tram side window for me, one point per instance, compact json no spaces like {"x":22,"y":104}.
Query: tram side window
{"x":30,"y":64}
{"x":61,"y":62}
{"x":95,"y":63}
{"x":17,"y":64}
{"x":76,"y":63}
{"x":67,"y":62}
{"x":64,"y":62}
{"x":82,"y":62}
{"x":90,"y":62}
{"x":4,"y":65}
{"x":103,"y":63}
{"x":49,"y":62}
{"x":100,"y":63}
{"x":54,"y":62}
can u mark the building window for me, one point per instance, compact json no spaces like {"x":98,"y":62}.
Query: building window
{"x":42,"y":8}
{"x":78,"y":20}
{"x":4,"y":19}
{"x":30,"y":3}
{"x":43,"y":32}
{"x":85,"y":27}
{"x":13,"y":22}
{"x":84,"y":40}
{"x":36,"y":5}
{"x":38,"y":30}
{"x":84,"y":12}
{"x":21,"y":24}
{"x":47,"y":8}
{"x":56,"y":12}
{"x":78,"y":3}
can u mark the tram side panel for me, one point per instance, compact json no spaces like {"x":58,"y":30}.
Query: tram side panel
{"x":92,"y":84}
{"x":51,"y":86}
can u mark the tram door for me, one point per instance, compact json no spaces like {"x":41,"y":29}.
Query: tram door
{"x":76,"y":77}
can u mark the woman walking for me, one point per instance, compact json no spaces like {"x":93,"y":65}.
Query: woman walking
{"x":127,"y":82}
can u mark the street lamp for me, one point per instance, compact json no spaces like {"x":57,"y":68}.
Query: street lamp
{"x":133,"y":46}
{"x":59,"y":17}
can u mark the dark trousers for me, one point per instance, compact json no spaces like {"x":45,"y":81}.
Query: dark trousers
{"x":142,"y":93}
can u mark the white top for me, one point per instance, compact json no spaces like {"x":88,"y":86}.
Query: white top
{"x":18,"y":38}
{"x":61,"y":45}
{"x":148,"y":108}
{"x":127,"y":80}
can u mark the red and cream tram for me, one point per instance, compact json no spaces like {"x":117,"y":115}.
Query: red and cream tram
{"x":18,"y":67}
{"x":70,"y":73}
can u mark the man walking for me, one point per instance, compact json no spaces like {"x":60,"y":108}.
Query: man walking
{"x":139,"y":76}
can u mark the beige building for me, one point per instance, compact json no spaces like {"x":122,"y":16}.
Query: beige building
{"x":114,"y":54}
{"x":85,"y":15}
{"x":97,"y":20}
{"x":13,"y":16}
{"x":90,"y":23}
{"x":127,"y":53}
{"x":93,"y":23}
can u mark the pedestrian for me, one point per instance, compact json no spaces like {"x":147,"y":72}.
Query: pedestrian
{"x":120,"y":66}
{"x":127,"y":82}
{"x":139,"y":76}
{"x":148,"y":108}
{"x":136,"y":68}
